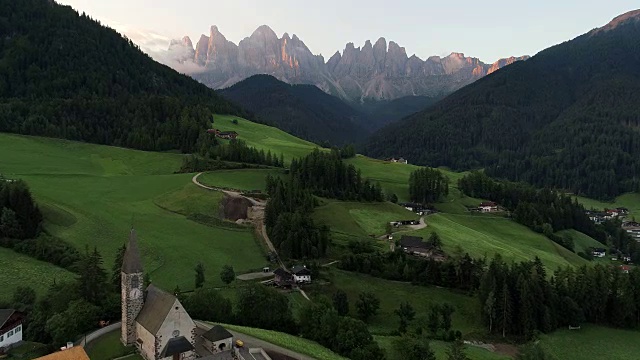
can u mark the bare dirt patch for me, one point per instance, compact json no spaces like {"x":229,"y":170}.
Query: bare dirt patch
{"x":234,"y":207}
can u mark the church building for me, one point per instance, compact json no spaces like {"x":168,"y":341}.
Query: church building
{"x":152,"y":319}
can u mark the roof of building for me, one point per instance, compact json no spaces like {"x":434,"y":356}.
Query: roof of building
{"x":176,"y":345}
{"x":131,"y":262}
{"x":300,"y":270}
{"x":625,"y":267}
{"x":282,"y":273}
{"x":413,"y":241}
{"x":74,"y":353}
{"x":217,"y":333}
{"x":488,"y":203}
{"x":5,"y":314}
{"x":157,"y":305}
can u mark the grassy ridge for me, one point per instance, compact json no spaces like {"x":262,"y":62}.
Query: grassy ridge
{"x":581,"y":241}
{"x":247,"y":179}
{"x":20,"y":270}
{"x":92,"y":195}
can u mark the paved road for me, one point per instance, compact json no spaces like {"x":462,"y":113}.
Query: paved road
{"x":98,"y":333}
{"x":259,"y":343}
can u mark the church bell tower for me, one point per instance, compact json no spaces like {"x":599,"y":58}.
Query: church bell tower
{"x":132,"y":289}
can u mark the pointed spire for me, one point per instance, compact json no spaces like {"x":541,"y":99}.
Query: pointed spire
{"x":131,"y":262}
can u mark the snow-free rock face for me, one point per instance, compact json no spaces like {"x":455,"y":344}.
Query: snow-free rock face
{"x":379,"y":71}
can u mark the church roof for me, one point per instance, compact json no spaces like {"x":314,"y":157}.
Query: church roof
{"x":177,"y":345}
{"x":156,"y":307}
{"x":217,"y":333}
{"x":131,"y":262}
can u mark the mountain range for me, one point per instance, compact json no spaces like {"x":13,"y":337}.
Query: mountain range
{"x":566,"y":118}
{"x":378,"y":71}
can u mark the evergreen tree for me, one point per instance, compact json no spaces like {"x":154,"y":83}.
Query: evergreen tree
{"x":199,"y":275}
{"x":116,"y":270}
{"x":406,"y":313}
{"x":93,"y":278}
{"x":341,"y":303}
{"x":367,"y":305}
{"x":456,"y":351}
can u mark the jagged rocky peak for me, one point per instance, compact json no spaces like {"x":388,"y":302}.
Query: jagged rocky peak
{"x":631,"y":16}
{"x":504,"y":62}
{"x":265,"y":32}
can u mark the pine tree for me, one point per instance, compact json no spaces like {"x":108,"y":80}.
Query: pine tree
{"x":341,"y":303}
{"x":116,"y":270}
{"x":199,"y":275}
{"x":456,"y":351}
{"x":406,"y":313}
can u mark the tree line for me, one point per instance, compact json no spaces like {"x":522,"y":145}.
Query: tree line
{"x":427,"y":185}
{"x":520,"y":299}
{"x":20,"y":217}
{"x":326,"y":175}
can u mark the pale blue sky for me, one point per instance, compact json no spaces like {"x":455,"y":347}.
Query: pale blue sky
{"x":485,"y":29}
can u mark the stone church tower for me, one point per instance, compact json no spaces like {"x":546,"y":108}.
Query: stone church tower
{"x":132,"y":290}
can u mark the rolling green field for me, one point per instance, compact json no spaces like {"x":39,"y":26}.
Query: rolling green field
{"x":92,"y":195}
{"x":483,"y":235}
{"x":631,"y":201}
{"x":592,"y":342}
{"x":109,"y":347}
{"x":393,"y":347}
{"x":265,"y":137}
{"x":247,"y":179}
{"x":392,"y":293}
{"x":351,"y":220}
{"x":294,"y":343}
{"x":18,"y":269}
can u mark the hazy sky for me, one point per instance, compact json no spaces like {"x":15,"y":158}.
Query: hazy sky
{"x":485,"y":29}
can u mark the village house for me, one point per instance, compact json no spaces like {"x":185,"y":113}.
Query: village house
{"x":301,"y":275}
{"x":625,"y":269}
{"x":229,"y":135}
{"x":416,"y":208}
{"x":598,"y":252}
{"x":414,"y":245}
{"x":488,"y":206}
{"x":69,"y":352}
{"x":10,"y":327}
{"x":218,"y":339}
{"x":399,"y":223}
{"x":283,"y":278}
{"x":400,"y":160}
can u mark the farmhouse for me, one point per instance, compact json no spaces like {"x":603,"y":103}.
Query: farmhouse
{"x":68,"y":353}
{"x":10,"y":327}
{"x":301,"y":275}
{"x":598,"y":252}
{"x":229,"y":135}
{"x":398,"y":223}
{"x":152,"y":319}
{"x":283,"y":278}
{"x":488,"y":206}
{"x":415,"y":207}
{"x":625,"y":269}
{"x":400,"y":160}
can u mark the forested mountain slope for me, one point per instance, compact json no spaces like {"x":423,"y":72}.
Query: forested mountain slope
{"x":302,"y":110}
{"x":567,"y":118}
{"x":65,"y":75}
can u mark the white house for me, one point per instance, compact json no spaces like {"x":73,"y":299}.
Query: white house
{"x":599,"y":252}
{"x":488,"y":206}
{"x":10,"y":327}
{"x":301,"y":274}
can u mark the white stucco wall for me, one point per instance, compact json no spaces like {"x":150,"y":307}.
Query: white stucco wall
{"x":304,"y":278}
{"x":177,"y":319}
{"x":148,"y":342}
{"x":16,"y":335}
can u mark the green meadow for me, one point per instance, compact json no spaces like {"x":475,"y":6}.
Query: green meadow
{"x":581,"y":241}
{"x":592,"y":342}
{"x":482,"y":235}
{"x":92,"y":195}
{"x":246,"y":179}
{"x":20,"y":270}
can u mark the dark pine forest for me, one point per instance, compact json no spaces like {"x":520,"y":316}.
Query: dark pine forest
{"x":64,"y":75}
{"x":567,"y":118}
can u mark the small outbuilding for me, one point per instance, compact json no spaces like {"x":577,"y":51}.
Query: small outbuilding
{"x":218,"y":339}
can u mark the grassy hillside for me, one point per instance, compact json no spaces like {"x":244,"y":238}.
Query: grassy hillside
{"x":483,"y":235}
{"x":631,"y":201}
{"x":265,"y":137}
{"x":392,"y":293}
{"x":247,"y":179}
{"x":581,"y":241}
{"x":21,"y":270}
{"x":92,"y":195}
{"x":592,"y":342}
